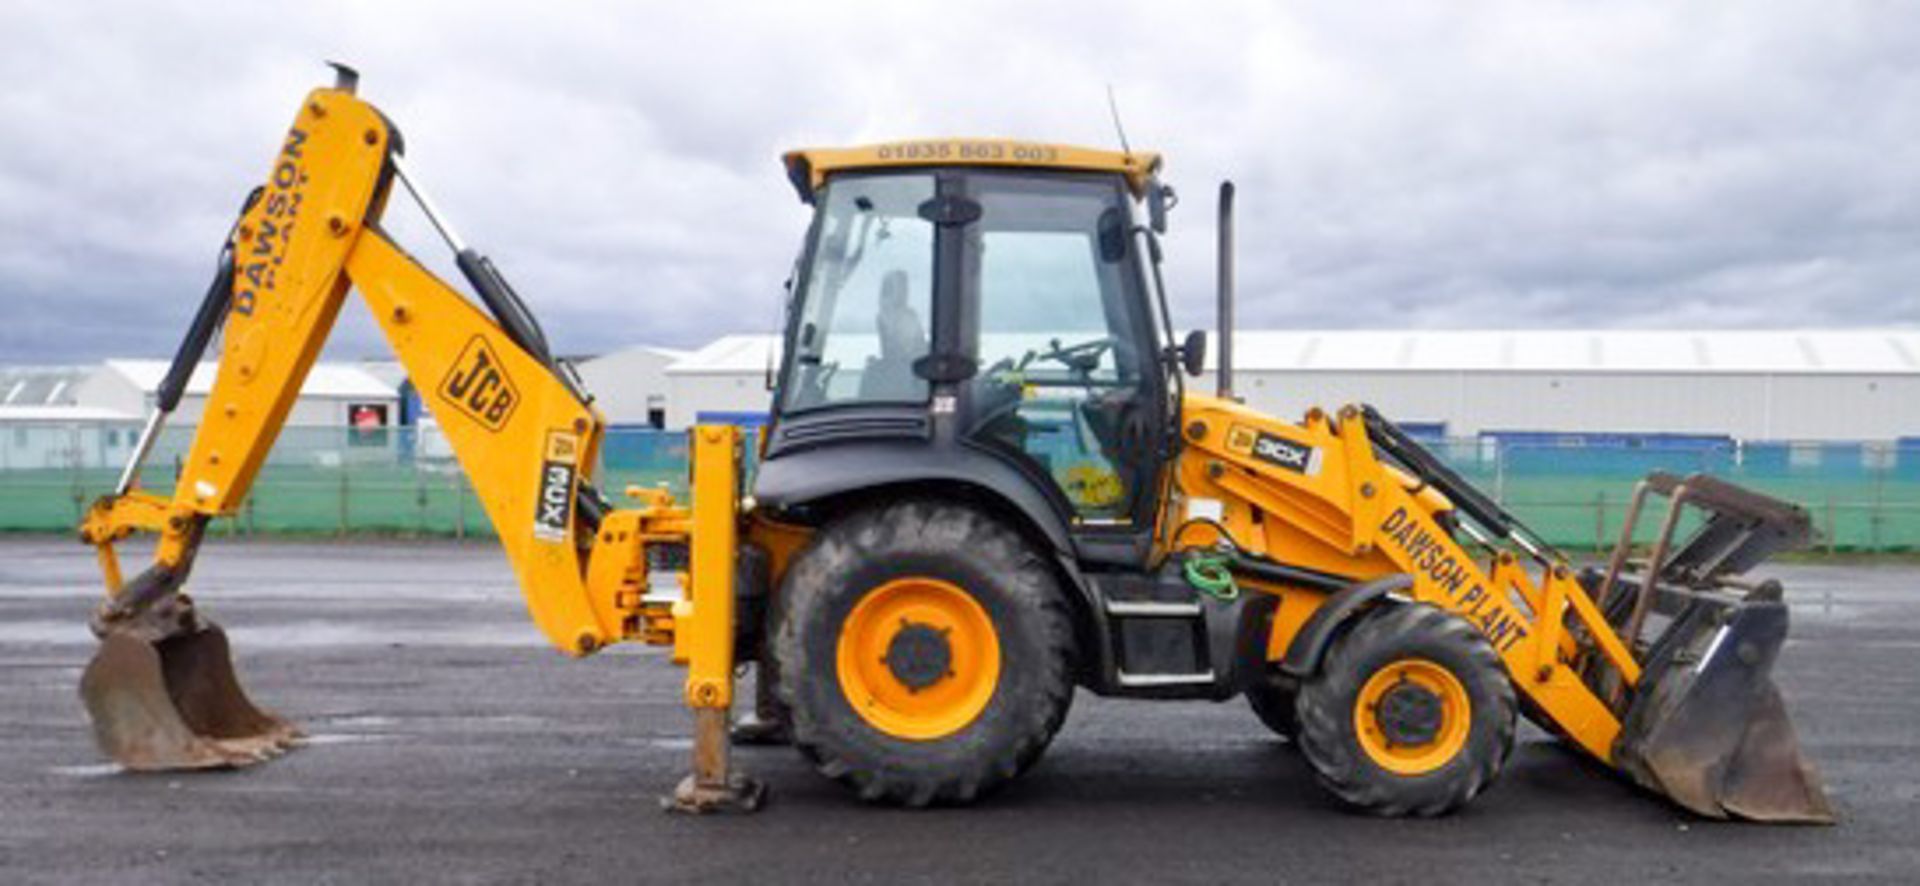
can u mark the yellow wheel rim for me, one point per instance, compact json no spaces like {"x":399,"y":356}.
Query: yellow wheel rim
{"x":918,"y":658}
{"x":1412,"y":716}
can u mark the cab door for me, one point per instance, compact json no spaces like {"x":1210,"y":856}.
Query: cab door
{"x":1068,"y":384}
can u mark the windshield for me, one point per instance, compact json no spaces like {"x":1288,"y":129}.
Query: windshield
{"x":867,"y":300}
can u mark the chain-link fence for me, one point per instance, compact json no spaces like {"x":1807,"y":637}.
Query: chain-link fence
{"x":1863,"y":496}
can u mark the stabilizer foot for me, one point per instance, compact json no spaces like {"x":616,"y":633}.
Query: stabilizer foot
{"x":737,"y":794}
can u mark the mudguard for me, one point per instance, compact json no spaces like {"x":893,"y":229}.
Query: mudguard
{"x":1310,"y":645}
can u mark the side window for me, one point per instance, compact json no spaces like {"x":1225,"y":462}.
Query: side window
{"x":868,"y":299}
{"x":1042,"y":286}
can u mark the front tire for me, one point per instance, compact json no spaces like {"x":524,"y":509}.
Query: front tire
{"x":1411,"y":713}
{"x":1274,"y":704}
{"x":925,"y":653}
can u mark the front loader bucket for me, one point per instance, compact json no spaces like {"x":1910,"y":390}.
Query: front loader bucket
{"x":1708,"y":728}
{"x":1705,"y":726}
{"x":174,"y":703}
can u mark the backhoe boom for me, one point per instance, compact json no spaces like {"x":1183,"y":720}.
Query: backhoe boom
{"x":522,"y":431}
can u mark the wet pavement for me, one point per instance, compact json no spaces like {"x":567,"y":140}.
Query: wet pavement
{"x":449,"y":743}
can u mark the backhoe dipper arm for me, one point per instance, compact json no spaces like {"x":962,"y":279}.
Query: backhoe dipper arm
{"x":521,"y":431}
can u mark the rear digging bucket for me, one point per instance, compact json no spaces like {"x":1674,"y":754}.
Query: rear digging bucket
{"x":174,"y":703}
{"x":1708,"y":729}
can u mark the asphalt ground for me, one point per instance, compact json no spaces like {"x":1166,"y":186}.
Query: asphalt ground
{"x":448,"y":743}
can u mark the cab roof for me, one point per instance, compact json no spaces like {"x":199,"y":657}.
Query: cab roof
{"x":808,"y":168}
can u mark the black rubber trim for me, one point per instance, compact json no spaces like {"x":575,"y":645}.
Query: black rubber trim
{"x":1310,"y":645}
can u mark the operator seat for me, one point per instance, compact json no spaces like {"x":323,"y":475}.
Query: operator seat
{"x":903,"y":340}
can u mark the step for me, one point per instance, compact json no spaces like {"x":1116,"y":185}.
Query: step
{"x":1147,"y":681}
{"x":1152,"y":609}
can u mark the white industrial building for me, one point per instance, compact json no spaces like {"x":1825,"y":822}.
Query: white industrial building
{"x":629,"y":386}
{"x":41,"y":427}
{"x":726,"y":381}
{"x":332,"y":395}
{"x":63,"y":435}
{"x":1750,"y":385}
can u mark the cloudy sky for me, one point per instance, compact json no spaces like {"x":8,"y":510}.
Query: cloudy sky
{"x":1439,"y":165}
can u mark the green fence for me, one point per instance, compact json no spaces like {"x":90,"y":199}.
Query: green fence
{"x":1863,"y":496}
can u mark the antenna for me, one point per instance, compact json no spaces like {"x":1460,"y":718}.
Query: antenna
{"x":1113,"y":105}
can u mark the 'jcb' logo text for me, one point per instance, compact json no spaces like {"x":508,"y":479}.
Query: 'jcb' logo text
{"x":479,"y":388}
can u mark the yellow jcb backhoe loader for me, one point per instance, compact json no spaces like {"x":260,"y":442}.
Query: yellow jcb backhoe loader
{"x":984,"y":482}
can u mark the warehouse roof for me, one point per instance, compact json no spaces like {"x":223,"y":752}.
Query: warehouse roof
{"x":1876,"y":352}
{"x":39,"y":385}
{"x":670,"y":355}
{"x":325,"y":380}
{"x":62,"y":412}
{"x":728,"y":355}
{"x":1611,"y":350}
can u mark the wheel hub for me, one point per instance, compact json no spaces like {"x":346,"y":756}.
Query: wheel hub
{"x":918,"y":658}
{"x":1410,"y":714}
{"x":919,"y":655}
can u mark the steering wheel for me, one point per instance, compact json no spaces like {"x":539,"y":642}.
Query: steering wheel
{"x":1082,"y":358}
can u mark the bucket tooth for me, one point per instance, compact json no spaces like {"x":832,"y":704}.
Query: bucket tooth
{"x":175,"y":703}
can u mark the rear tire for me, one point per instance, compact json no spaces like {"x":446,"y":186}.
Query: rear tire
{"x":925,"y":653}
{"x":1411,"y":713}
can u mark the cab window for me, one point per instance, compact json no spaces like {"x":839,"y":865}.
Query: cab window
{"x":867,"y":299}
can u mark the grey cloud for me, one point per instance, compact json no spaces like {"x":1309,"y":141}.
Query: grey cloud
{"x":1513,"y":165}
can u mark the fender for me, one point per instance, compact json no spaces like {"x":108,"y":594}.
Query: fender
{"x":1310,"y":645}
{"x":796,"y":478}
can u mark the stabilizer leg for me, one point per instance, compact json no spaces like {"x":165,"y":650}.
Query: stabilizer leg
{"x":713,"y":786}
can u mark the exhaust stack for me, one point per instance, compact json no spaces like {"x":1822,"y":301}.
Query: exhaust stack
{"x":1226,"y":281}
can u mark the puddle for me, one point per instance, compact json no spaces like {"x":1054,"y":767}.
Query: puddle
{"x":26,"y":631}
{"x":358,"y":721}
{"x":87,"y":770}
{"x":301,"y":635}
{"x":339,"y":738}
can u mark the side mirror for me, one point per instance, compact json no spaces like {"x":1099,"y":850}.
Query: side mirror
{"x":1160,"y":198}
{"x":1193,"y":353}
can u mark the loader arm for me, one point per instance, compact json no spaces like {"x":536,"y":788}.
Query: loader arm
{"x":522,"y":431}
